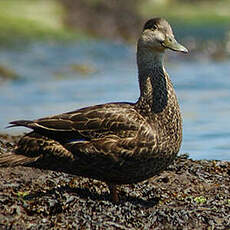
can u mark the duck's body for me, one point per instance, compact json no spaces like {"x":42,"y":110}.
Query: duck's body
{"x":119,"y":143}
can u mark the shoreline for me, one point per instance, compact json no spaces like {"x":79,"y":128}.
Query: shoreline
{"x":190,"y":193}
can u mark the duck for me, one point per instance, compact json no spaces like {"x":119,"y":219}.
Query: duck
{"x":117,"y":143}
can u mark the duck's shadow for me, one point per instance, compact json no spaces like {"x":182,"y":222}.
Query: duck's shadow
{"x":85,"y":193}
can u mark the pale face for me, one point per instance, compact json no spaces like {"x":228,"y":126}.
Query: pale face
{"x":153,"y":39}
{"x":158,"y":36}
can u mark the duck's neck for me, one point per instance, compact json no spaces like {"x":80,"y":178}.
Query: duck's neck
{"x":153,"y":80}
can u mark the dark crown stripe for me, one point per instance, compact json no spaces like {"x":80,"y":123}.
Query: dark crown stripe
{"x":151,"y":22}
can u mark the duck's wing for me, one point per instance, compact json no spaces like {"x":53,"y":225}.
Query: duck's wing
{"x":92,"y":136}
{"x":100,"y":128}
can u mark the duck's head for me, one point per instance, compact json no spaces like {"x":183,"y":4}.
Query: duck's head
{"x":157,"y":36}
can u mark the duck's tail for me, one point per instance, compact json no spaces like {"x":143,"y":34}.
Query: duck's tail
{"x":25,"y":152}
{"x":38,"y":151}
{"x":11,"y":159}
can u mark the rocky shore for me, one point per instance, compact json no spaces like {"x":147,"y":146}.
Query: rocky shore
{"x":190,"y":194}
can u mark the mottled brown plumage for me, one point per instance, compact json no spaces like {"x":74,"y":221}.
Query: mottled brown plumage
{"x":119,"y":143}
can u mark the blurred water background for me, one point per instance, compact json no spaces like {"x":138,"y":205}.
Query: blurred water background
{"x":47,"y":77}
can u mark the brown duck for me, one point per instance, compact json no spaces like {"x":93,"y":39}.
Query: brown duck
{"x":118,"y":143}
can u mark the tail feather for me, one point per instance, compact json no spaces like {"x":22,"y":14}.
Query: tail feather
{"x":25,"y":123}
{"x":36,"y":150}
{"x":12,"y":159}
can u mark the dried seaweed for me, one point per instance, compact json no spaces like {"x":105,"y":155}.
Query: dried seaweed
{"x":188,"y":195}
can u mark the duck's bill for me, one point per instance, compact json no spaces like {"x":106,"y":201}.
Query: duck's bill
{"x":172,"y":44}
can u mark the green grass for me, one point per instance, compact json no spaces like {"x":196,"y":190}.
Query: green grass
{"x":199,"y":13}
{"x":32,"y":19}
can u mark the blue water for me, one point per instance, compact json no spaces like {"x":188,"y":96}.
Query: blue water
{"x":49,"y":86}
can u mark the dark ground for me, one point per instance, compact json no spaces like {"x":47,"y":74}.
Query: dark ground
{"x":189,"y":195}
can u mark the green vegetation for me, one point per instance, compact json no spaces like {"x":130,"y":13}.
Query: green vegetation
{"x":26,"y":20}
{"x":22,"y":194}
{"x":32,"y":19}
{"x":200,"y":199}
{"x":189,"y":12}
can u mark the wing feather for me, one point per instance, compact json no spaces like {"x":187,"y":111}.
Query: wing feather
{"x":115,"y":130}
{"x":117,"y":119}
